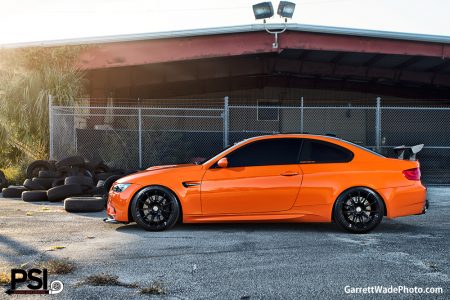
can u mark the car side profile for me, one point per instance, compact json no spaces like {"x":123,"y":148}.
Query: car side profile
{"x":276,"y":178}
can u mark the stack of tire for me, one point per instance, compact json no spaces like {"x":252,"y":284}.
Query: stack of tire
{"x":82,"y":184}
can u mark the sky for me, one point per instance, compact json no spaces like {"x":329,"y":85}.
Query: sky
{"x":24,"y":21}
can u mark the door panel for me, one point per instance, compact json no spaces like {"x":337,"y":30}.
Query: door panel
{"x":255,"y":189}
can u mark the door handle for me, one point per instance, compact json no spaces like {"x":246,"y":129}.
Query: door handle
{"x":289,"y":173}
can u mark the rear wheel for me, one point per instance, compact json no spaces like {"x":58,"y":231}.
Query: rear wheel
{"x":359,"y":210}
{"x":155,"y":208}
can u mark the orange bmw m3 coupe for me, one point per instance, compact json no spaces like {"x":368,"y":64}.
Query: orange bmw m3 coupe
{"x":276,"y":178}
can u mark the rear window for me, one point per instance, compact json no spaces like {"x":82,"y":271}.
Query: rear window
{"x":314,"y":151}
{"x":363,"y":148}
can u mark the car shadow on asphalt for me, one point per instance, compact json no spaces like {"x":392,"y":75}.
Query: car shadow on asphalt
{"x":399,"y":226}
{"x":388,"y":226}
{"x":240,"y":227}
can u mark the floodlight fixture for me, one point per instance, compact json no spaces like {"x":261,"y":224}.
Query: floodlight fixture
{"x":286,"y":9}
{"x":263,"y":10}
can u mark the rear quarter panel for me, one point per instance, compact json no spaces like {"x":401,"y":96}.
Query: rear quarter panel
{"x":323,"y":183}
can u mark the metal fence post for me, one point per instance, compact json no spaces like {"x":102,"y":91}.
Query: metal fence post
{"x":226,"y":125}
{"x":140,"y":135}
{"x":301,"y":116}
{"x":378,"y":125}
{"x":50,"y":126}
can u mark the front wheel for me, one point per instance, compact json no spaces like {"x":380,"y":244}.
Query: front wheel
{"x":155,"y":208}
{"x":359,"y":210}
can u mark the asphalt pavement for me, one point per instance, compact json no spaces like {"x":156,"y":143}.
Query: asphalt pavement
{"x":228,"y":261}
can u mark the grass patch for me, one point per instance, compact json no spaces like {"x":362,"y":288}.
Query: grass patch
{"x":107,"y":280}
{"x":54,"y":248}
{"x":58,"y":266}
{"x":5,"y":278}
{"x":155,"y":288}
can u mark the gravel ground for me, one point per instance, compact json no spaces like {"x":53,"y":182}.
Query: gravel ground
{"x":229,"y":261}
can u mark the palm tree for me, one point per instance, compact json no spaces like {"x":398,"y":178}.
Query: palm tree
{"x":27,"y":77}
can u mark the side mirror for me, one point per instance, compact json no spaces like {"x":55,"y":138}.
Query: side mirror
{"x":223,"y":162}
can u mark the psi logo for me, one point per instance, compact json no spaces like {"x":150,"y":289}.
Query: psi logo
{"x":38,"y":284}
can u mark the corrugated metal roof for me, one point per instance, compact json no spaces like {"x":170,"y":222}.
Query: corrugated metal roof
{"x":239,"y":29}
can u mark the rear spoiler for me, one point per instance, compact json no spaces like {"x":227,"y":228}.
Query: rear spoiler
{"x":405,"y":152}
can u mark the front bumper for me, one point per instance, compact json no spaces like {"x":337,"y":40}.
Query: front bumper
{"x":118,"y":203}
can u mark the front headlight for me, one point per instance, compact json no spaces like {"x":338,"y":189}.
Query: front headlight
{"x":120,"y":187}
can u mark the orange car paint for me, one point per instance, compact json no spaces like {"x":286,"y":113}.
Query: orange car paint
{"x":248,"y":193}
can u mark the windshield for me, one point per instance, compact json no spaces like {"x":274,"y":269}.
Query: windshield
{"x":201,"y":162}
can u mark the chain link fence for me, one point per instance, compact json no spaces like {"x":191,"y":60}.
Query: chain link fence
{"x":152,"y":134}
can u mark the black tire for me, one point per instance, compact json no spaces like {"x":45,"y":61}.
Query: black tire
{"x":155,"y":208}
{"x":31,"y":185}
{"x":100,"y":183}
{"x":104,"y":176}
{"x":49,"y":174}
{"x":84,"y":204}
{"x":34,"y":196}
{"x":52,"y":163}
{"x":13,"y":192}
{"x":73,"y":161}
{"x":358,"y":210}
{"x":109,"y":182}
{"x":38,"y":165}
{"x":99,"y":190}
{"x":58,"y":182}
{"x":85,"y":172}
{"x":118,"y":171}
{"x":128,"y":172}
{"x":92,"y":164}
{"x":69,"y":171}
{"x":60,"y":193}
{"x":86,"y":182}
{"x":96,"y":191}
{"x":102,"y":168}
{"x":46,"y":183}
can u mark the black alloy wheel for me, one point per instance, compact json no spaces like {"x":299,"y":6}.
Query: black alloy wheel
{"x":155,"y":208}
{"x":359,"y":210}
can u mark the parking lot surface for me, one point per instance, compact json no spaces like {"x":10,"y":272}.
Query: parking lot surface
{"x":229,"y":261}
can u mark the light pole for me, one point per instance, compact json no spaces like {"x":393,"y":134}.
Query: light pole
{"x":264,"y":10}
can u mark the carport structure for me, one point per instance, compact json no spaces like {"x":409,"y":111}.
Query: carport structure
{"x":224,"y":60}
{"x":319,"y":80}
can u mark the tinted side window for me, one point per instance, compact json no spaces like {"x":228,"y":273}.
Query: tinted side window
{"x":266,"y":152}
{"x":324,"y":152}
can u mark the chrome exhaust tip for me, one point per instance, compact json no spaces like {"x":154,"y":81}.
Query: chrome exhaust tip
{"x":110,"y":220}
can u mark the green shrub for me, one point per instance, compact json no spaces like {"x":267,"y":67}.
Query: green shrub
{"x":15,"y":174}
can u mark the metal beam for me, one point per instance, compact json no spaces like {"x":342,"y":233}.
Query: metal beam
{"x":260,"y":81}
{"x":439,"y":68}
{"x":376,"y":58}
{"x":338,"y":57}
{"x":408,"y":62}
{"x":171,"y":73}
{"x":134,"y":53}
